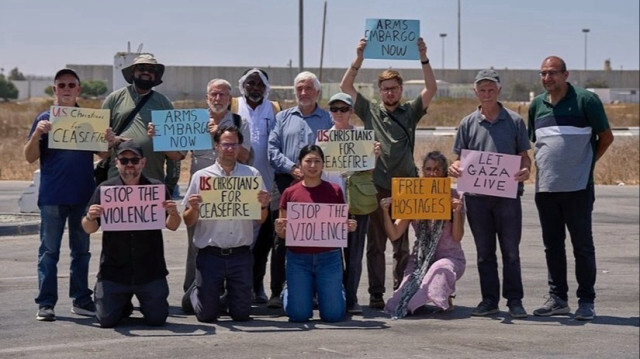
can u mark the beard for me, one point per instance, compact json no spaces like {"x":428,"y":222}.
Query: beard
{"x":217,"y":110}
{"x":142,"y":84}
{"x":255,"y":97}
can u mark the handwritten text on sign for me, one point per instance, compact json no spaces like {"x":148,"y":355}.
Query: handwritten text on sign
{"x":317,"y":225}
{"x":489,"y":173}
{"x":132,"y":208}
{"x":75,"y":128}
{"x":230,"y":197}
{"x":184,"y":130}
{"x":347,"y":150}
{"x":392,"y":39}
{"x":421,"y":198}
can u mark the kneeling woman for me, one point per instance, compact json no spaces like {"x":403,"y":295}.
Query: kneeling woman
{"x":312,"y":270}
{"x":437,"y":260}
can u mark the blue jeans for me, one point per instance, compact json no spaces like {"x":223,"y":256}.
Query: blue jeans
{"x":307,"y":274}
{"x":353,"y":259}
{"x":573,"y":210}
{"x":491,"y":217}
{"x":53,"y":219}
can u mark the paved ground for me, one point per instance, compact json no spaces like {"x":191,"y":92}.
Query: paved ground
{"x":613,"y":334}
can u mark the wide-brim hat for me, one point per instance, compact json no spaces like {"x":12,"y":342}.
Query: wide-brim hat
{"x":148,"y":59}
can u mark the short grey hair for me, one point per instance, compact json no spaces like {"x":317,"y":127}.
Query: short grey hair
{"x":217,"y":82}
{"x":306,"y":75}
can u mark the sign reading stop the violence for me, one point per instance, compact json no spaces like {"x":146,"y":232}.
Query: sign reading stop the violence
{"x":317,"y":224}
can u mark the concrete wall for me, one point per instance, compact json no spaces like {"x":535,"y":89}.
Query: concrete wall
{"x":189,"y":82}
{"x":31,"y":88}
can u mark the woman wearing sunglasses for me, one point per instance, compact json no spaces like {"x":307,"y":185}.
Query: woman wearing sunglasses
{"x":341,"y":109}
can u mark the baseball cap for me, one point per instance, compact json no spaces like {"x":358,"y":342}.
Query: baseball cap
{"x":341,"y":96}
{"x":487,"y":74}
{"x":129,"y":146}
{"x":66,"y":71}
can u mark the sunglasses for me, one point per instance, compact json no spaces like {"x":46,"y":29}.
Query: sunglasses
{"x":125,"y":161}
{"x":340,"y":109}
{"x":71,"y":85}
{"x":146,"y":68}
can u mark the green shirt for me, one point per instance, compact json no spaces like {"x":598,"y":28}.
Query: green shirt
{"x":396,"y":143}
{"x":121,"y":102}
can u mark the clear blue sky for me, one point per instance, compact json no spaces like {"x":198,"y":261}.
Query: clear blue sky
{"x":40,"y":36}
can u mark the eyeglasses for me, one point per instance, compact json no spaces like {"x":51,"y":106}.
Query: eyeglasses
{"x":339,"y":109}
{"x":62,"y":85}
{"x":549,"y":73}
{"x":146,"y":68}
{"x":390,"y":89}
{"x":125,"y":160}
{"x":228,"y":146}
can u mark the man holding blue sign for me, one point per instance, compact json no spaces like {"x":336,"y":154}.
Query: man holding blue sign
{"x":493,"y":128}
{"x":394,"y":125}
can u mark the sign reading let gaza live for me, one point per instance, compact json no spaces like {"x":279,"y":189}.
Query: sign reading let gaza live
{"x":393,"y":39}
{"x":347,"y":150}
{"x":421,"y":198}
{"x":181,"y":130}
{"x":75,"y":128}
{"x":489,"y":173}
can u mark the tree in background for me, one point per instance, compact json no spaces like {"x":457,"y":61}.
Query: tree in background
{"x":16,"y":75}
{"x":93,"y":88}
{"x":7,"y":89}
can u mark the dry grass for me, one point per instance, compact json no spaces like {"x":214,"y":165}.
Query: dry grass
{"x":619,"y":165}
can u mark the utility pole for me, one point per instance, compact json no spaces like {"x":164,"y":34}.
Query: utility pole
{"x":459,"y":49}
{"x":301,"y":34}
{"x":324,"y":23}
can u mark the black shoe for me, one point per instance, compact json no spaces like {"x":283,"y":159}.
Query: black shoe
{"x":484,"y":309}
{"x":259,"y":296}
{"x":517,"y":311}
{"x":275,"y":302}
{"x":88,"y":310}
{"x":46,"y":314}
{"x":376,"y":301}
{"x":128,"y":310}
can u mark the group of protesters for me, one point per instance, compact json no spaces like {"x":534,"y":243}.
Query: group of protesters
{"x":252,"y":136}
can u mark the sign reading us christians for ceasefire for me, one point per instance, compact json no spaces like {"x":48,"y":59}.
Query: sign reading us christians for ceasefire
{"x":317,"y":224}
{"x":421,"y":198}
{"x":132,"y":208}
{"x":75,"y":128}
{"x":347,"y":150}
{"x":181,"y":130}
{"x":230,"y":197}
{"x":489,"y":173}
{"x":393,"y":39}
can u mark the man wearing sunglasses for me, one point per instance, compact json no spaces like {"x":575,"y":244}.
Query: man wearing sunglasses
{"x":144,"y":74}
{"x":131,"y":262}
{"x":66,"y":184}
{"x":394,"y":125}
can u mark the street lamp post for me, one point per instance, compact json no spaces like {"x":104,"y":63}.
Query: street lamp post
{"x":586,"y":31}
{"x":443,"y":35}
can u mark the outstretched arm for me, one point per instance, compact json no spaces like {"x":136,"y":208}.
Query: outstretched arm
{"x":431,"y":87}
{"x":346,"y":85}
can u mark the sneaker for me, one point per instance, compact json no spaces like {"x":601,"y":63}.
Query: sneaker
{"x":517,"y":311}
{"x":376,"y":301}
{"x":274,"y":302}
{"x":355,"y":309}
{"x":88,"y":310}
{"x":553,"y":306}
{"x":585,"y":311}
{"x":484,"y":309}
{"x":46,"y":314}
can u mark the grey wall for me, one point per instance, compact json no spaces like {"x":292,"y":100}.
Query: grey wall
{"x":189,"y":82}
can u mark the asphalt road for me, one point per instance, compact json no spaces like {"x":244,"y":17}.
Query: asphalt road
{"x":613,"y":334}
